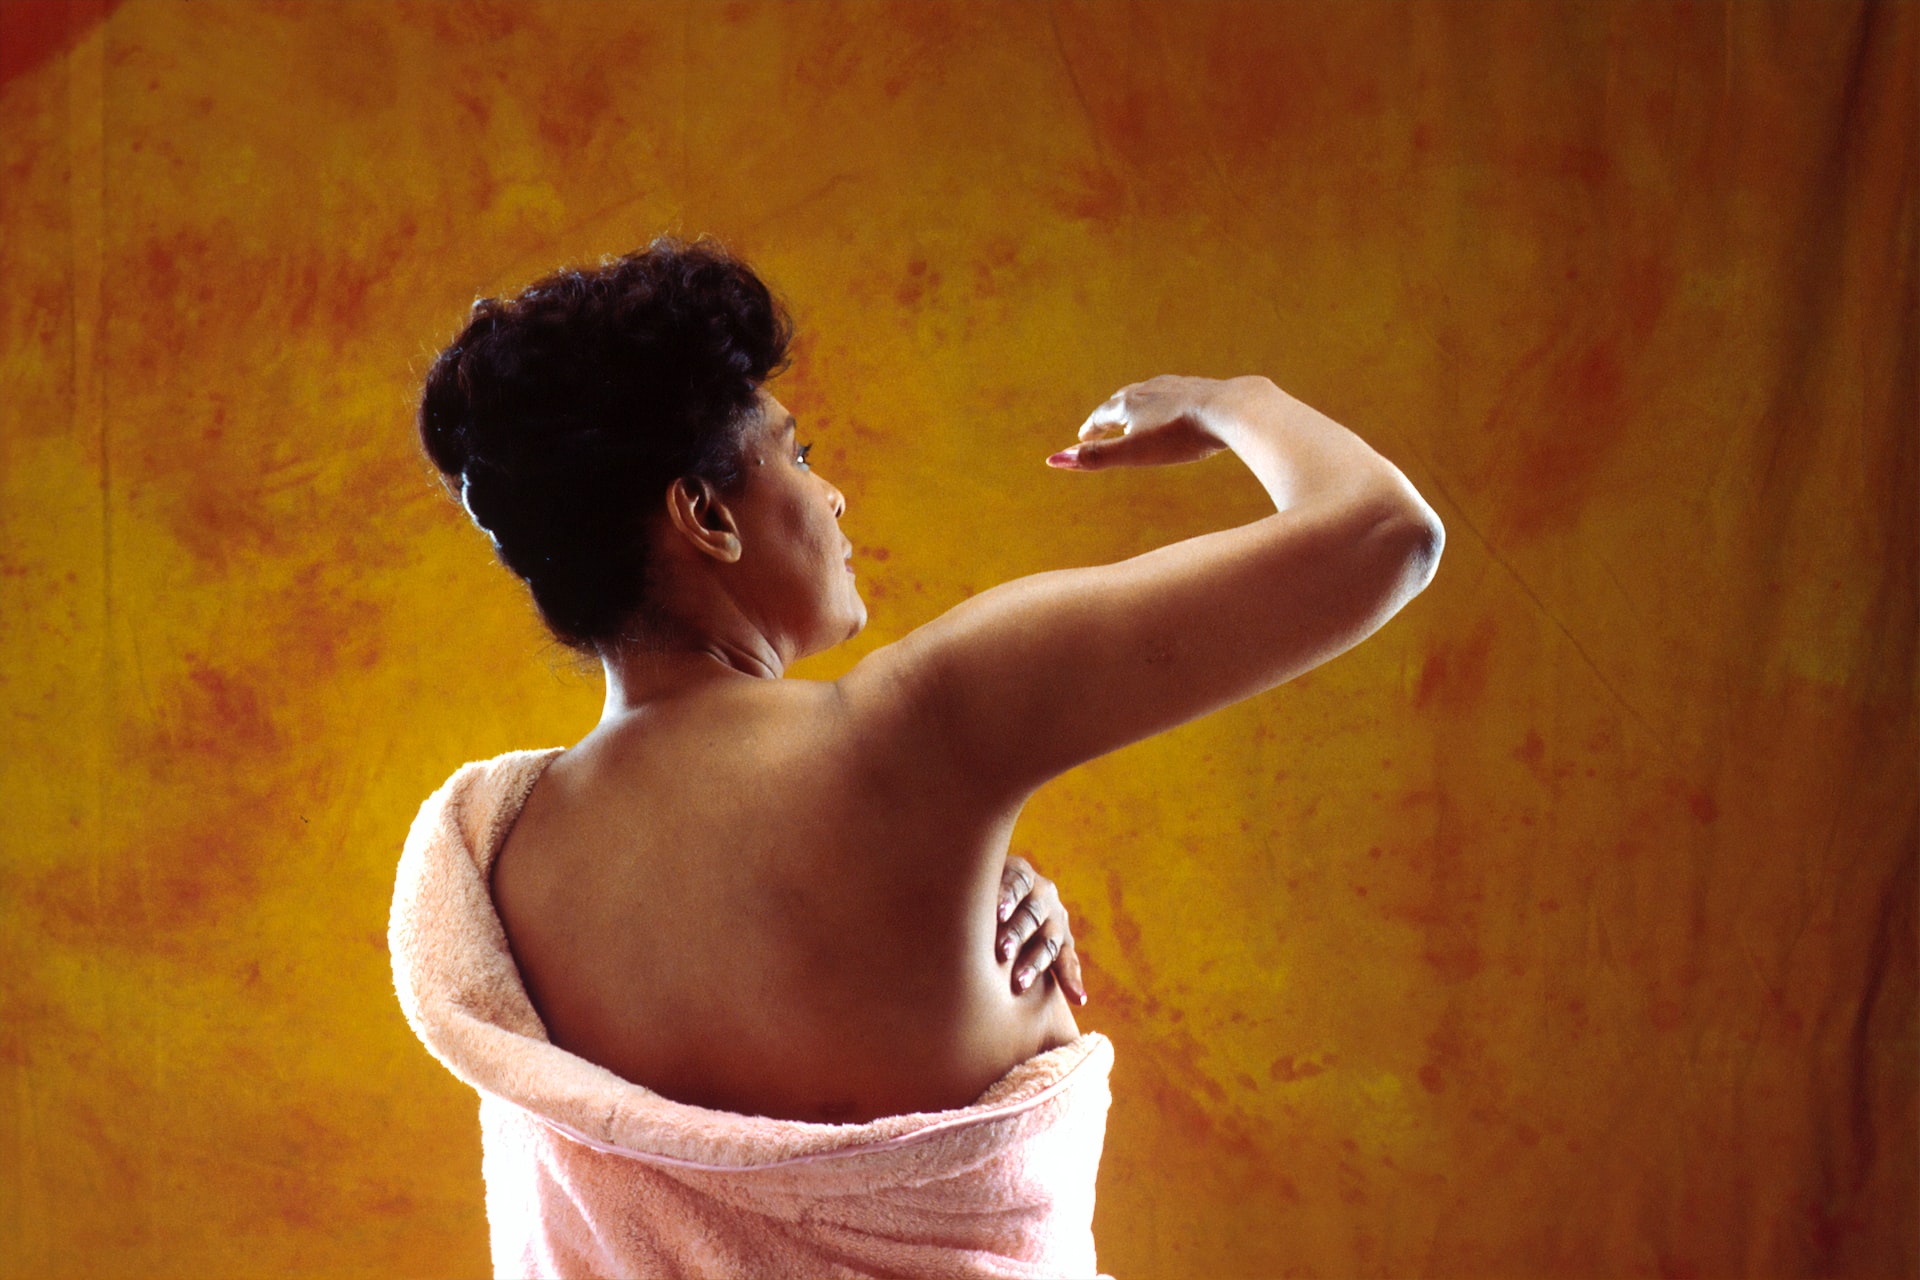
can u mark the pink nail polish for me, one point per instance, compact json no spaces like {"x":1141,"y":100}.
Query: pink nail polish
{"x":1065,"y":458}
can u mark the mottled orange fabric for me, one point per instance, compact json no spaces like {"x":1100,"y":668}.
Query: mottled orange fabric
{"x":1564,"y":928}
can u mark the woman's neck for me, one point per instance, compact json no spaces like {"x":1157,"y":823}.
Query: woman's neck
{"x":639,"y":674}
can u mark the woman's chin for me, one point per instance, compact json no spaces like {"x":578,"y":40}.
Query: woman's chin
{"x":852,"y":622}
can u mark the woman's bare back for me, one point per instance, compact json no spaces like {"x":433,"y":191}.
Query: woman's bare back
{"x":743,"y":899}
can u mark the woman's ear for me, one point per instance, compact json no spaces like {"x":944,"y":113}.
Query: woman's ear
{"x":699,"y":516}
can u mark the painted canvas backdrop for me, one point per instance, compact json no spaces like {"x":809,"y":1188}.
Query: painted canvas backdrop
{"x":1564,"y":928}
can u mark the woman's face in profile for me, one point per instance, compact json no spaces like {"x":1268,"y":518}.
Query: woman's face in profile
{"x":796,"y":560}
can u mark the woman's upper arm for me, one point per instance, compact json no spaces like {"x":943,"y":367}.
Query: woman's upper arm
{"x":1026,"y":680}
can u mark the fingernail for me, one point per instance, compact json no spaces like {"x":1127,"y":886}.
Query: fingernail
{"x":1006,"y":907}
{"x":1068,"y":458}
{"x":1022,"y":978}
{"x":1006,"y":947}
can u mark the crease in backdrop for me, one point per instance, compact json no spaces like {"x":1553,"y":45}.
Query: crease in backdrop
{"x":1564,"y":928}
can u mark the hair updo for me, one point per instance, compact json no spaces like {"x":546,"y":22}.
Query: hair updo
{"x":561,"y":414}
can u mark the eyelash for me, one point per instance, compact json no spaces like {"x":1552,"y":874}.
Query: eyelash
{"x":805,"y":449}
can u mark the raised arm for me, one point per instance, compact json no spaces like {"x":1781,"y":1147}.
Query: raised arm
{"x":1031,"y":678}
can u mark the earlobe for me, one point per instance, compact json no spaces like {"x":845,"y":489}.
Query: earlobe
{"x":699,"y":516}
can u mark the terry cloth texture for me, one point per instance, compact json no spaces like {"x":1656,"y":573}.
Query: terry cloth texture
{"x":588,"y":1174}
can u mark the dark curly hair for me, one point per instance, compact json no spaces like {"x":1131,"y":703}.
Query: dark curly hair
{"x":561,"y":414}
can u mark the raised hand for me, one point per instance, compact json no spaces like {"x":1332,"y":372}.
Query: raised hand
{"x":1161,"y":422}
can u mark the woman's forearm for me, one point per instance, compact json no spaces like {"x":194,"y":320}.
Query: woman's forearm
{"x":1301,"y":455}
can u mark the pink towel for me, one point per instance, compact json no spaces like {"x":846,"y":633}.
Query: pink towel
{"x":590,"y":1175}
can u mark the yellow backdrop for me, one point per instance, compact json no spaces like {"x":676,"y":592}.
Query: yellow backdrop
{"x":1565,"y":928}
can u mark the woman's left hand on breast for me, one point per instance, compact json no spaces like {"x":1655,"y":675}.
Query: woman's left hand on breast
{"x":1033,"y":926}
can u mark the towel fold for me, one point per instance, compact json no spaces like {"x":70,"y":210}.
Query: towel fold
{"x":588,"y":1174}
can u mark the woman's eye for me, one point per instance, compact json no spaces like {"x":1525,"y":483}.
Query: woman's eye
{"x":805,"y":449}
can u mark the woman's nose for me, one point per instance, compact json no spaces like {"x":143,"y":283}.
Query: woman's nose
{"x":838,"y":499}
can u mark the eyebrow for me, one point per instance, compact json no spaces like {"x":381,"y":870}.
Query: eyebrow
{"x":791,"y":425}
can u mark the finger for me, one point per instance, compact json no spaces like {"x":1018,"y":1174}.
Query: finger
{"x":1068,"y":459}
{"x":1139,"y":448}
{"x":1026,"y":918}
{"x":1114,"y":414}
{"x":1067,"y":969}
{"x":1095,"y":454}
{"x":1038,"y":957}
{"x":1112,"y":409}
{"x":1017,"y":879}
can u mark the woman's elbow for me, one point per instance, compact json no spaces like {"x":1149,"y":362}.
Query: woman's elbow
{"x":1429,"y":541}
{"x":1409,"y":549}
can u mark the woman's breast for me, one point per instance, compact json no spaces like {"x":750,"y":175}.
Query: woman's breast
{"x":783,"y":958}
{"x":844,"y":1027}
{"x":755,"y":999}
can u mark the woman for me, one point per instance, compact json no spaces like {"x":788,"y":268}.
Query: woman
{"x":842,"y":842}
